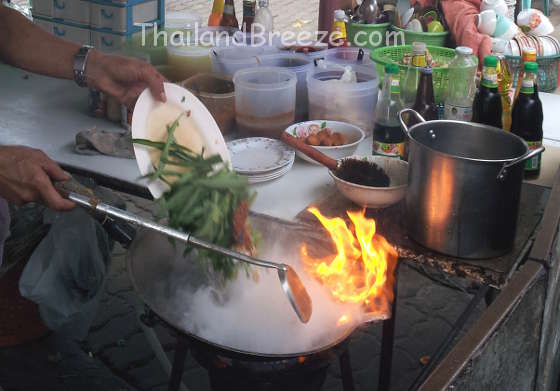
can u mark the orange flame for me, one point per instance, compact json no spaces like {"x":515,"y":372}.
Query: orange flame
{"x":362,"y":269}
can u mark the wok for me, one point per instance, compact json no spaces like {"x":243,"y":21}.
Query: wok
{"x":166,"y":282}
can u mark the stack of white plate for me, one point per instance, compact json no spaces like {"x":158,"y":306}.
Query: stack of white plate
{"x":260,"y":159}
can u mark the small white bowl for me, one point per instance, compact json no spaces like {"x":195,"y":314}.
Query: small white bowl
{"x":377,"y":197}
{"x":351,"y":133}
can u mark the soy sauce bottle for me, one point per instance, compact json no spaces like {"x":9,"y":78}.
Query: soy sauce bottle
{"x":388,"y":137}
{"x":527,"y":118}
{"x":487,"y":105}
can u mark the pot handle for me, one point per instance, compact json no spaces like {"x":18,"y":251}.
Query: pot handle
{"x":503,"y":172}
{"x":414,"y":112}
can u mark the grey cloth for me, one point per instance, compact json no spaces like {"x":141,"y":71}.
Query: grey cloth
{"x":95,"y":141}
{"x":4,"y":225}
{"x":66,"y":272}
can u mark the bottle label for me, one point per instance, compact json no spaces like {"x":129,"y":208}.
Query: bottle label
{"x":528,"y":86}
{"x":249,"y":9}
{"x":395,"y":85}
{"x":534,"y":164}
{"x":390,"y":150}
{"x":489,"y":77}
{"x":339,"y":30}
{"x":419,"y":61}
{"x":218,"y":7}
{"x":228,"y":9}
{"x":458,"y":113}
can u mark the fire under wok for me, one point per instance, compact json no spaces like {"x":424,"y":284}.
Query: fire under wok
{"x":250,"y":314}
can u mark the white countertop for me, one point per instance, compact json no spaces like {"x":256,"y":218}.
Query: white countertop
{"x":46,"y":113}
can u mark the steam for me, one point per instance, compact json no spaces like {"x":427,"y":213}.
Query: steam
{"x":257,"y":316}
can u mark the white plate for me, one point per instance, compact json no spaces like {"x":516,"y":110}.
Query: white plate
{"x":259,"y":155}
{"x":266,"y":178}
{"x":200,"y":119}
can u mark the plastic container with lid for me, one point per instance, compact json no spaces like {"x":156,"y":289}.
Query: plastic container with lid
{"x":217,"y":92}
{"x":331,"y":99}
{"x":185,"y":61}
{"x":265,"y":100}
{"x":301,"y":65}
{"x":230,"y":59}
{"x":183,"y":21}
{"x":349,"y":56}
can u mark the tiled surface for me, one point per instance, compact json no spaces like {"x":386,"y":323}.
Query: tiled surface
{"x":286,"y":12}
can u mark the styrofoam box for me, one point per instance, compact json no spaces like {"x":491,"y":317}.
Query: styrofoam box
{"x":43,"y":7}
{"x":79,"y":35}
{"x":122,"y":19}
{"x":108,"y":42}
{"x":75,"y":11}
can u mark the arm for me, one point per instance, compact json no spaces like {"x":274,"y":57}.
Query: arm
{"x":25,"y":173}
{"x":460,"y":16}
{"x":461,"y":19}
{"x":27,"y":46}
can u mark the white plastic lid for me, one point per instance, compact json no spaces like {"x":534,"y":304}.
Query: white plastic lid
{"x":339,"y":15}
{"x":464,"y":50}
{"x":418,"y":48}
{"x":189,"y":50}
{"x":181,"y":20}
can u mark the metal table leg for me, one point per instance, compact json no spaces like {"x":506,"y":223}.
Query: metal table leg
{"x":346,"y":370}
{"x":388,"y":340}
{"x":181,"y":350}
{"x":457,"y":326}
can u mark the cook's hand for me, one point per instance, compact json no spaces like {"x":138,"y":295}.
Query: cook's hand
{"x":122,"y":77}
{"x":26,"y":174}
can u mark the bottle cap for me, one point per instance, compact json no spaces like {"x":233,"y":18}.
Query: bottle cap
{"x":339,"y":15}
{"x":464,"y":50}
{"x":418,"y":48}
{"x":392,"y":68}
{"x":531,"y":66}
{"x":490,"y":61}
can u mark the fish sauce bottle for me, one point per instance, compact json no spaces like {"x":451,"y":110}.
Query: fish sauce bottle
{"x":487,"y":106}
{"x":388,"y":137}
{"x":527,"y":118}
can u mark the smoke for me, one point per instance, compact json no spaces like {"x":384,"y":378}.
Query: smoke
{"x":257,"y":317}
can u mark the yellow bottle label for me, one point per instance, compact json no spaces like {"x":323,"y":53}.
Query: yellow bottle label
{"x":339,"y":30}
{"x":218,"y":7}
{"x":390,"y":150}
{"x":419,"y":61}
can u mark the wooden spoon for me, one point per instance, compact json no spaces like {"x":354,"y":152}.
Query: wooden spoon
{"x":308,"y":150}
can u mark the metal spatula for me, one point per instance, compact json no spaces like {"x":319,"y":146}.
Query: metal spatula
{"x":289,"y":279}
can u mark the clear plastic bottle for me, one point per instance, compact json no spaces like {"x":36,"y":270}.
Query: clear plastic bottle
{"x":462,"y":87}
{"x":412,"y":76}
{"x":264,"y":17}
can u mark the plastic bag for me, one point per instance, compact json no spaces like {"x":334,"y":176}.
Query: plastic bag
{"x":66,"y":273}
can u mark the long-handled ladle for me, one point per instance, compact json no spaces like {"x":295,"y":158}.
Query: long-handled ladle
{"x":289,"y":279}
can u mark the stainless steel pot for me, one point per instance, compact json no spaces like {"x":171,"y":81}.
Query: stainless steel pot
{"x":464,"y":186}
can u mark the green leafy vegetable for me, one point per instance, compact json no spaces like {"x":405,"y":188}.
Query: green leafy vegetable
{"x":205,"y":198}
